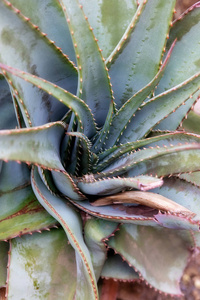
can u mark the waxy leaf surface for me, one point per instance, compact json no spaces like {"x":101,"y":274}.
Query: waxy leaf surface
{"x":46,"y":264}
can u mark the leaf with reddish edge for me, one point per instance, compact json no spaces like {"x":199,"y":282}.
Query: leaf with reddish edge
{"x":148,"y":161}
{"x":183,"y":193}
{"x":23,"y":46}
{"x":46,"y":264}
{"x":20,"y":212}
{"x":152,"y":200}
{"x":153,"y":167}
{"x":13,"y":176}
{"x":4,"y":247}
{"x":118,"y":269}
{"x":177,"y":221}
{"x":94,"y":84}
{"x":40,"y":146}
{"x":65,"y":184}
{"x":125,"y":114}
{"x":131,"y":70}
{"x":137,"y":214}
{"x":80,"y":109}
{"x":156,"y":139}
{"x":186,"y":29}
{"x":151,"y":250}
{"x":7,"y":112}
{"x":192,"y":122}
{"x":61,"y":210}
{"x":41,"y":14}
{"x":108,"y":31}
{"x":120,"y":213}
{"x":193,"y":177}
{"x":84,"y":146}
{"x":96,"y":233}
{"x":107,"y":186}
{"x":158,"y":108}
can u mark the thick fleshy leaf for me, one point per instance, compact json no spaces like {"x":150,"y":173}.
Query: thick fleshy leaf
{"x":85,"y":159}
{"x":13,"y":176}
{"x":20,"y":212}
{"x":4,"y":248}
{"x":157,"y":161}
{"x":147,"y":36}
{"x":118,"y":269}
{"x":108,"y":186}
{"x":192,"y":122}
{"x":41,"y":14}
{"x":138,"y":214}
{"x":159,"y":107}
{"x":7,"y":112}
{"x":23,"y":46}
{"x":94,"y":84}
{"x":96,"y":233}
{"x":152,"y":200}
{"x":39,"y":145}
{"x":125,"y":114}
{"x":157,"y":139}
{"x":98,"y":139}
{"x":171,"y":163}
{"x":152,"y":250}
{"x":186,"y":29}
{"x":46,"y":264}
{"x":107,"y":30}
{"x":71,"y":222}
{"x":135,"y":214}
{"x":174,"y":120}
{"x":19,"y":115}
{"x":183,"y":193}
{"x":80,"y":109}
{"x":193,"y":177}
{"x":65,"y":184}
{"x":175,"y":222}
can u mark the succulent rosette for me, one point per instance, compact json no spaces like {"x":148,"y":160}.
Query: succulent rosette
{"x":98,"y":177}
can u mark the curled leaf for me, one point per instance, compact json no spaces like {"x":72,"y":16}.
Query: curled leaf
{"x":149,"y":199}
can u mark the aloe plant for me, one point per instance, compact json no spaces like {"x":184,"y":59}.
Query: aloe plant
{"x":98,"y":177}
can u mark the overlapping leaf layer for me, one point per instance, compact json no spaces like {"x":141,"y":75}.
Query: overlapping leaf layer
{"x":94,"y":141}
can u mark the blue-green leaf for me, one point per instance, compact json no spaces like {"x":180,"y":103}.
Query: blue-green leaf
{"x":183,"y":193}
{"x":138,"y":55}
{"x":71,"y":223}
{"x":102,"y":16}
{"x":7,"y":112}
{"x":94,"y":84}
{"x":107,"y":186}
{"x":125,"y":114}
{"x":159,"y":107}
{"x":20,"y":212}
{"x":152,"y":250}
{"x":118,"y":269}
{"x":186,"y":29}
{"x":23,"y":46}
{"x":80,"y":109}
{"x":41,"y":14}
{"x":46,"y":264}
{"x":96,"y":233}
